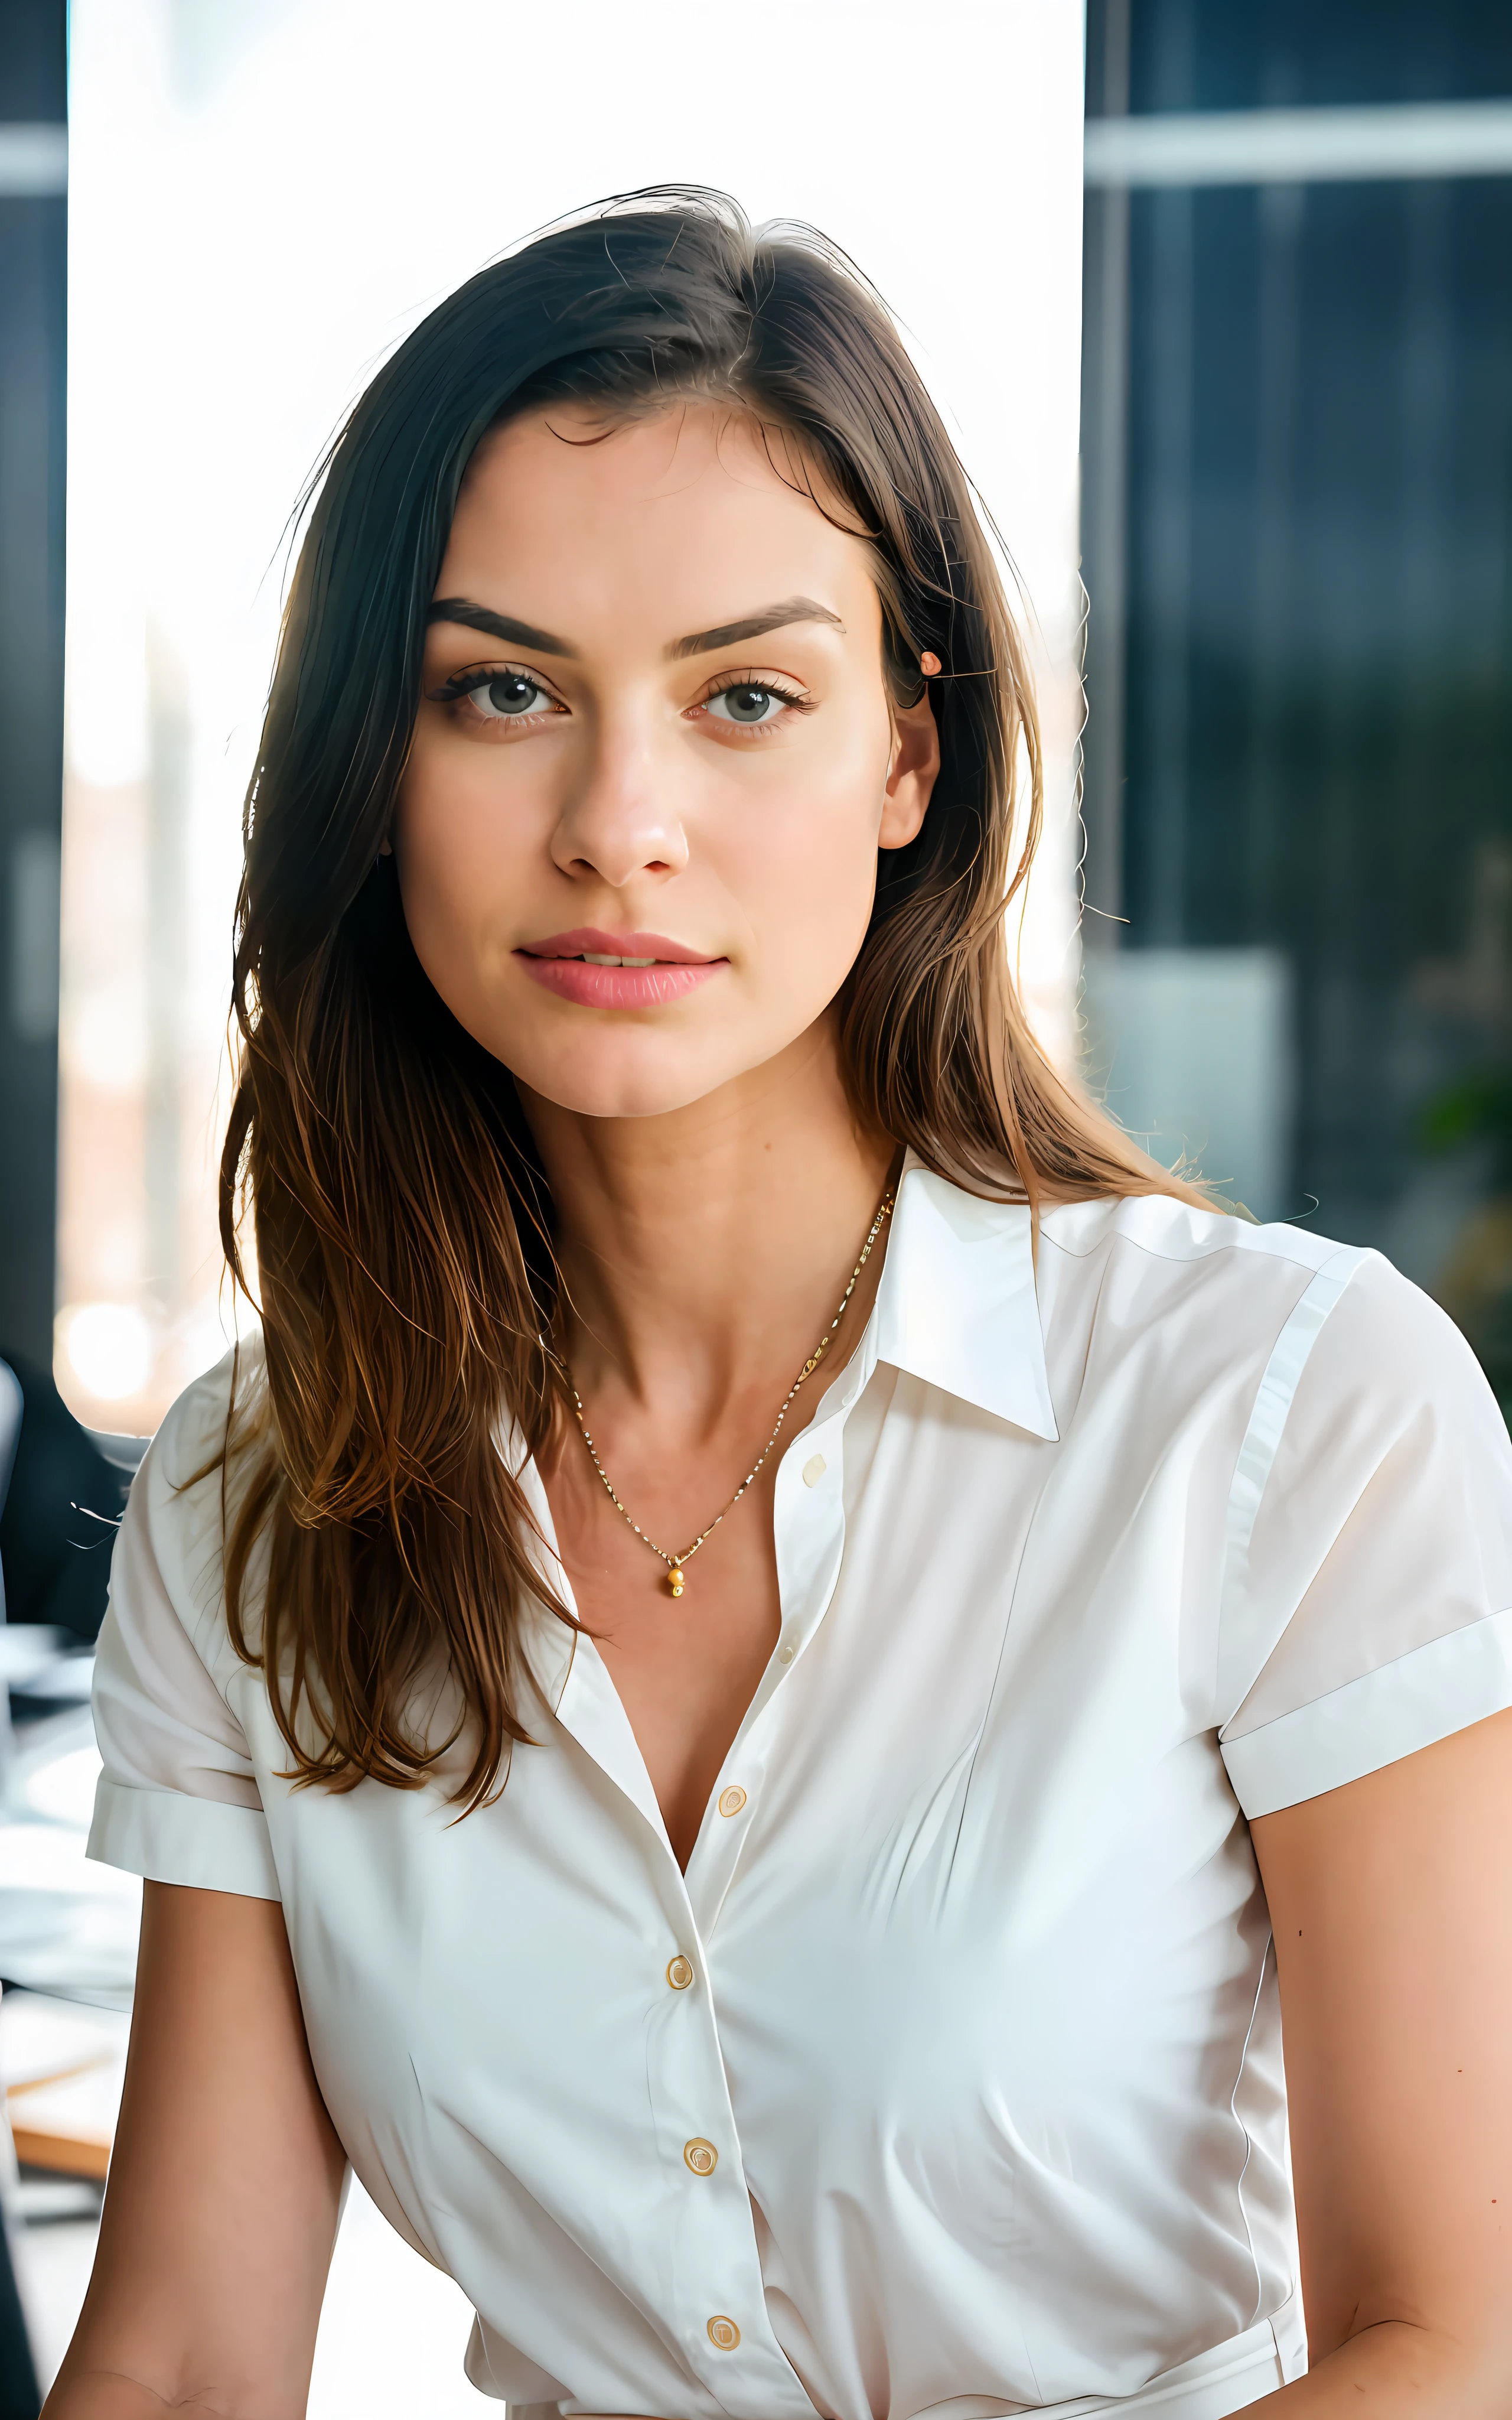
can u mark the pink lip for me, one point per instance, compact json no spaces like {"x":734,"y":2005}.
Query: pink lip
{"x":556,"y":965}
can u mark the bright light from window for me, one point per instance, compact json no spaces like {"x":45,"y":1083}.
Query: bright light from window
{"x":108,"y":1347}
{"x":109,"y":735}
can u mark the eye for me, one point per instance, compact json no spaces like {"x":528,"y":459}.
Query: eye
{"x":748,"y":703}
{"x":506,"y":697}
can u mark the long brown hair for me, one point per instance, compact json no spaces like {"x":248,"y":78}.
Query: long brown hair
{"x":402,"y":1221}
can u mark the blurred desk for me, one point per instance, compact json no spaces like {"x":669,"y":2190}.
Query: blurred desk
{"x":64,"y":2066}
{"x":67,"y":1928}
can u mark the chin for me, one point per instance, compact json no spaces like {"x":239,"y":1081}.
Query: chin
{"x":606,"y":1078}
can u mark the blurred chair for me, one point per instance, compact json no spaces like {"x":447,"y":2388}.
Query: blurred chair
{"x":58,"y":1523}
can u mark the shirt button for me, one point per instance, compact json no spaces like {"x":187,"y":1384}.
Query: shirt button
{"x":786,"y":1653}
{"x":700,"y":2156}
{"x":679,"y":1973}
{"x":731,"y":1803}
{"x":723,"y":2333}
{"x":814,"y":1469}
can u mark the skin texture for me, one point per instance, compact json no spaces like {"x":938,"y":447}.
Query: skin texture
{"x":713,"y":1191}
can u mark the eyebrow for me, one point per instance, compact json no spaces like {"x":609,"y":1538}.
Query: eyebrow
{"x":754,"y":625}
{"x":499,"y":625}
{"x":469,"y":616}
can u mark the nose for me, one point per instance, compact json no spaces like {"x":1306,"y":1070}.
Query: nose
{"x":620,"y":818}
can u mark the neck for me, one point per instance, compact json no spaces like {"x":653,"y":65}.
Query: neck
{"x":705,"y":1252}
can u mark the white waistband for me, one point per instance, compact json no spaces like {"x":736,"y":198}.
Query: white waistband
{"x":1208,"y":2387}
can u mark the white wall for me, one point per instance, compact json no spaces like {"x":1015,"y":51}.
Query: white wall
{"x":1195,"y":1052}
{"x":266,"y":195}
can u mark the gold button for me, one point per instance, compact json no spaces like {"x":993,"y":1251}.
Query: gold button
{"x":731,"y":1801}
{"x":700,"y":2156}
{"x":723,"y":2333}
{"x":679,"y":1973}
{"x":785,"y":1654}
{"x":814,"y":1469}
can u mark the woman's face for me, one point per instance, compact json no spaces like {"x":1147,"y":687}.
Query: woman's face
{"x":637,"y":836}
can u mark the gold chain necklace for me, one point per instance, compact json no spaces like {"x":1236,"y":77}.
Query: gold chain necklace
{"x":676,"y":1563}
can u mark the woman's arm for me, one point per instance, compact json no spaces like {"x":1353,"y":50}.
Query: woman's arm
{"x":1391,"y":1901}
{"x":224,"y":2187}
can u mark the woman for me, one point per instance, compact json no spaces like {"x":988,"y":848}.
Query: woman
{"x":729,"y":1704}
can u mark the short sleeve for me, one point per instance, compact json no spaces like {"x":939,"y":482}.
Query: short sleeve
{"x":177,"y":1799}
{"x":1369,"y":1573}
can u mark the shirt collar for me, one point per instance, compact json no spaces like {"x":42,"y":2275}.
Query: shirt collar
{"x":956,"y":1305}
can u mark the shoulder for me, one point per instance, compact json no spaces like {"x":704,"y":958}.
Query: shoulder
{"x":1169,"y":1233}
{"x":1330,"y":1335}
{"x":195,"y":1428}
{"x":190,"y":1481}
{"x":1340,"y":1364}
{"x":178,"y":1798}
{"x":1188,"y":1281}
{"x":1153,"y":1254}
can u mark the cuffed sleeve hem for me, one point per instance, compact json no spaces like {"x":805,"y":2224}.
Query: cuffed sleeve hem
{"x":1436,"y":1690}
{"x":167,"y":1836}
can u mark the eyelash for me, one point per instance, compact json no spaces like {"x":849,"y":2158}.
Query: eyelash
{"x":462,"y":684}
{"x":473,"y":676}
{"x":726,"y":681}
{"x":797,"y":701}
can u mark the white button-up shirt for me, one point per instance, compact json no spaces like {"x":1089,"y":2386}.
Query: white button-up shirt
{"x":948,"y":2079}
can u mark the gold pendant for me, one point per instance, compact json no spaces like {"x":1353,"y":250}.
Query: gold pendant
{"x":674,"y":1580}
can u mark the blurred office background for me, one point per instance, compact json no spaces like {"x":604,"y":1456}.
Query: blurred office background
{"x":1296,"y":521}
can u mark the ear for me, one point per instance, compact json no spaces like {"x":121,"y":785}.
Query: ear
{"x":911,"y":775}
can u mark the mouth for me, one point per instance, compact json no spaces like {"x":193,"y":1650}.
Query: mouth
{"x":597,"y":948}
{"x":599,"y":969}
